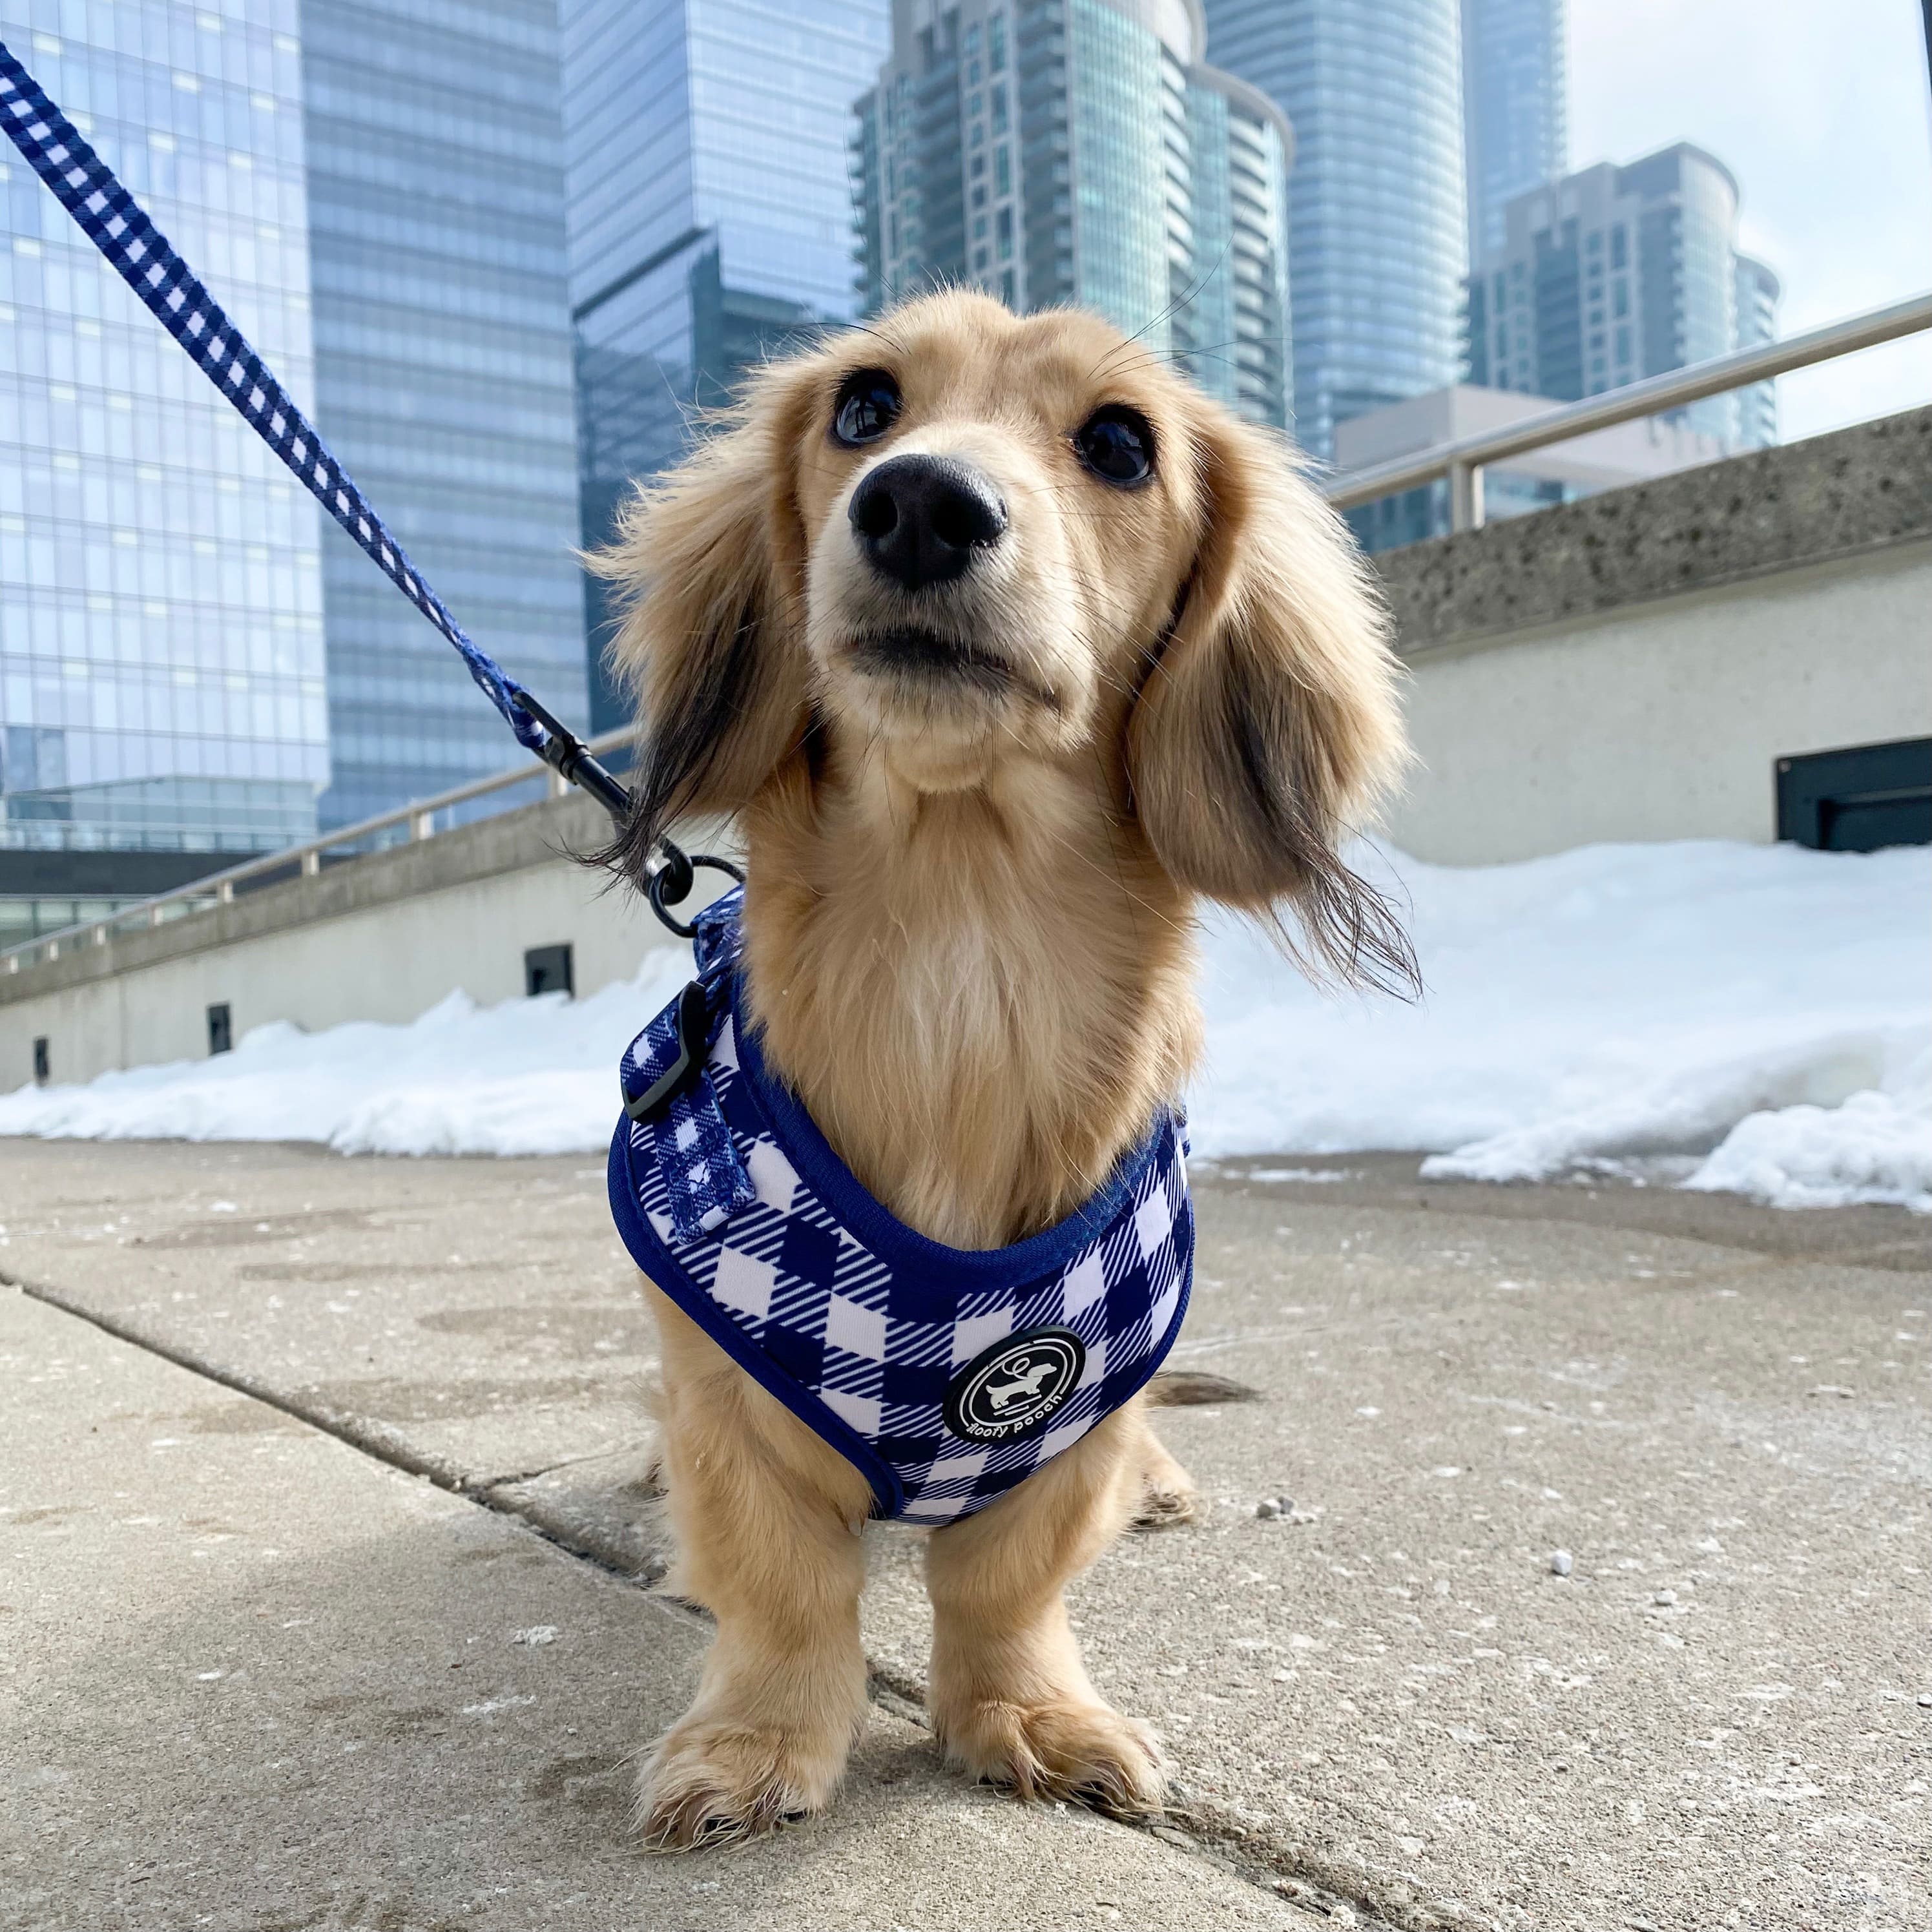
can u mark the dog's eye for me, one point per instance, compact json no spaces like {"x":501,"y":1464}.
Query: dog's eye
{"x":868,"y":405}
{"x":1117,"y":444}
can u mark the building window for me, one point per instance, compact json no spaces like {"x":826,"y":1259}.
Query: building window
{"x":979,"y":133}
{"x":973,"y":38}
{"x":980,"y":196}
{"x":972,"y":103}
{"x":996,"y":47}
{"x":1622,"y":294}
{"x":1593,"y":242}
{"x":977,"y":166}
{"x":1003,"y":172}
{"x":1006,"y":228}
{"x":1617,"y":246}
{"x":1623,"y":344}
{"x":999,"y":110}
{"x":979,"y":259}
{"x":1007,"y":287}
{"x":978,"y":228}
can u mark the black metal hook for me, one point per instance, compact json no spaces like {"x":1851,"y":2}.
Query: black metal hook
{"x":673,"y":880}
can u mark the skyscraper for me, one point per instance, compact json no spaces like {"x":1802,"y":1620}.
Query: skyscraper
{"x":1083,"y":152}
{"x":1758,"y":292}
{"x":1377,"y":218}
{"x":709,"y":213}
{"x":443,"y":376}
{"x":161,"y":653}
{"x":1616,"y":273}
{"x":1514,"y":106}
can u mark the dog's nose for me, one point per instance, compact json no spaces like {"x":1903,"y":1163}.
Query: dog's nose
{"x":919,"y":519}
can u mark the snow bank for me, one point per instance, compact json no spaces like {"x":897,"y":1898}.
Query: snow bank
{"x":1610,"y":1003}
{"x":1761,"y":1007}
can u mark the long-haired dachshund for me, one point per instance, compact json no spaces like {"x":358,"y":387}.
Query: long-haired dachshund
{"x":1004,"y":643}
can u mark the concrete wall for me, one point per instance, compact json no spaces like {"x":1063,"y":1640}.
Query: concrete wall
{"x":1632,"y":666}
{"x":380,"y":938}
{"x":1627,"y":667}
{"x":1664,"y":720}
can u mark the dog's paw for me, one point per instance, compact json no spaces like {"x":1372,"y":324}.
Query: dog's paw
{"x":1087,"y":1752}
{"x":1164,"y":1506}
{"x":1168,"y":1498}
{"x":711,"y":1781}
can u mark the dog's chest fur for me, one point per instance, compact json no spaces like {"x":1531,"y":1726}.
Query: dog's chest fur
{"x":981,"y":995}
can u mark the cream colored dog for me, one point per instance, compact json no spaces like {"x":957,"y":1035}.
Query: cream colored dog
{"x":1005,"y":644}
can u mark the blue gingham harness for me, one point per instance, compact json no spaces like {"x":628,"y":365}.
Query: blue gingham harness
{"x":946,"y":1376}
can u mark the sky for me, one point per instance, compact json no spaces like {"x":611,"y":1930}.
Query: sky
{"x":1822,"y":109}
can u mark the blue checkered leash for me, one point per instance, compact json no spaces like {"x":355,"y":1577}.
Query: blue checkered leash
{"x":117,"y":224}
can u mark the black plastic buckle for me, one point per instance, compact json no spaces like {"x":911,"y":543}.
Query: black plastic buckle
{"x":694,"y":1028}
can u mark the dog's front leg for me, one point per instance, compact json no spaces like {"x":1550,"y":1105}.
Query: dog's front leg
{"x":767,"y":1520}
{"x":1010,"y":1698}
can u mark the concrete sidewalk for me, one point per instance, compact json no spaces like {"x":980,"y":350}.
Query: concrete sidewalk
{"x":1386,"y":1697}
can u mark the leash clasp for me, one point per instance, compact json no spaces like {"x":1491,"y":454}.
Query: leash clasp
{"x":694,"y":1029}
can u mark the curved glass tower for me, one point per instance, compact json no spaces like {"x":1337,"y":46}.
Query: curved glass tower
{"x":1081,"y":152}
{"x":1377,"y":212}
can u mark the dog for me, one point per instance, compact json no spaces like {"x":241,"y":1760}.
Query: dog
{"x":1005,"y":645}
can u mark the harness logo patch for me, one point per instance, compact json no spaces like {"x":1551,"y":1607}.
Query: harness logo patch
{"x":1016,"y":1387}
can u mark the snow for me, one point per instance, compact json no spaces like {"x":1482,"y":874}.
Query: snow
{"x":1763,"y":1010}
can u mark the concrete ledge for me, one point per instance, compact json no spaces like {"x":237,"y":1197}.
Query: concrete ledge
{"x":535,"y":834}
{"x":1859,"y":491}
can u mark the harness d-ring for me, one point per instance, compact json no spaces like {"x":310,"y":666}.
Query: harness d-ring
{"x":673,"y":881}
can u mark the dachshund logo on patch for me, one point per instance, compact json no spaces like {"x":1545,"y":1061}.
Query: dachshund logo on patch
{"x":1016,"y":1387}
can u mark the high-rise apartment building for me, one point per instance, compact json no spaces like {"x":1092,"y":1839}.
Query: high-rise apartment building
{"x":1083,"y":152}
{"x":1515,"y":108}
{"x":161,"y":653}
{"x":1617,"y":273}
{"x":709,"y":214}
{"x":443,"y":375}
{"x":1377,"y":215}
{"x":1758,"y":291}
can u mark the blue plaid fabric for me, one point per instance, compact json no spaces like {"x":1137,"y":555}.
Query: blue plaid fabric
{"x":116,"y":223}
{"x":857,"y":1323}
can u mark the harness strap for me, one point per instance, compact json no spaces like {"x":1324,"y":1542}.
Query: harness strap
{"x":668,"y":1087}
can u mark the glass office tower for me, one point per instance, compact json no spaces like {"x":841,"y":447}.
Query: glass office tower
{"x":1515,"y":108}
{"x":161,"y":647}
{"x":1082,"y":152}
{"x":710,"y":215}
{"x":1377,"y":213}
{"x":443,"y":376}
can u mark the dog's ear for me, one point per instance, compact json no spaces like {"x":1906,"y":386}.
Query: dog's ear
{"x":709,"y":564}
{"x":1269,"y":725}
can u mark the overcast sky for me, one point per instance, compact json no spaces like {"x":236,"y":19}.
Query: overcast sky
{"x":1822,"y":109}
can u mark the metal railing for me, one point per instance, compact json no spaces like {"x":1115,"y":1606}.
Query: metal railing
{"x":1462,"y":462}
{"x":304,"y":860}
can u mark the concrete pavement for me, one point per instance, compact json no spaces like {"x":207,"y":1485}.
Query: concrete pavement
{"x":255,"y":1679}
{"x":1386,"y":1696}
